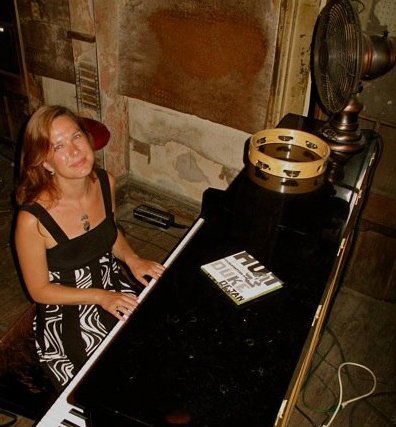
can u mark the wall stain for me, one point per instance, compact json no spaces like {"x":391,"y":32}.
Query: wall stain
{"x":188,"y":169}
{"x":209,"y":48}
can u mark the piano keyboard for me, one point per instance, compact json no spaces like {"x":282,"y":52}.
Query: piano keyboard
{"x":64,"y":414}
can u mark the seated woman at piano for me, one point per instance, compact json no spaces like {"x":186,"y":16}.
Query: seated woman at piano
{"x":68,"y":244}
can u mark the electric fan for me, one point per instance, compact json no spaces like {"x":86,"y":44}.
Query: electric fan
{"x":343,"y":56}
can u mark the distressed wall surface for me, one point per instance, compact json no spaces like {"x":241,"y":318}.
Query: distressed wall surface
{"x":48,"y":51}
{"x":196,"y":76}
{"x":380,"y":102}
{"x":211,"y":59}
{"x":182,"y":153}
{"x":379,"y":96}
{"x":113,"y":106}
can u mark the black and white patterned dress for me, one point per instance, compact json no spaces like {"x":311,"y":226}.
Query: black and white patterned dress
{"x":66,"y":335}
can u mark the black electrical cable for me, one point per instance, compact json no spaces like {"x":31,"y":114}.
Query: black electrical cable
{"x":177,"y":225}
{"x":308,"y":418}
{"x":11,"y":415}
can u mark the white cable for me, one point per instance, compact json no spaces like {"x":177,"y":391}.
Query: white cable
{"x":342,"y":404}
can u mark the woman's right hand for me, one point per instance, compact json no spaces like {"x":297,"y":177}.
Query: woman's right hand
{"x":119,"y":304}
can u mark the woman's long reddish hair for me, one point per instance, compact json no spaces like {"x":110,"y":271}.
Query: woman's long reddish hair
{"x":33,"y":177}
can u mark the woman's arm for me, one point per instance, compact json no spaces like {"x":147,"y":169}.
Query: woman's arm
{"x":31,"y":251}
{"x":139,"y":267}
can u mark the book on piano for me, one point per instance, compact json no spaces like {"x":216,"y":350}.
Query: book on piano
{"x":241,"y":277}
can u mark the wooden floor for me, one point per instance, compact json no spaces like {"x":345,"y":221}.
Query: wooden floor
{"x":360,"y":329}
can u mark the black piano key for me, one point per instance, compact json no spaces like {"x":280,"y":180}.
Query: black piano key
{"x":78,"y":412}
{"x":67,"y":423}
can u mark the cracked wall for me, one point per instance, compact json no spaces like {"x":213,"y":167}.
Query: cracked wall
{"x":182,"y":153}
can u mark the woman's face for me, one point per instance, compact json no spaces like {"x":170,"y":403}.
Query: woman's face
{"x":71,"y":154}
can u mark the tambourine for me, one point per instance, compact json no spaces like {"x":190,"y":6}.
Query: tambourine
{"x":288,"y":153}
{"x":283,"y":185}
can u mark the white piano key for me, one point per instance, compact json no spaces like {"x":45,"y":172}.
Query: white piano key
{"x":173,"y":255}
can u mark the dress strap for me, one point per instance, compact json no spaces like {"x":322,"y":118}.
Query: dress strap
{"x":106,"y":192}
{"x":46,"y":219}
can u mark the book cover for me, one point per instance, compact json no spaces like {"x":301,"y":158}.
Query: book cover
{"x":241,"y":277}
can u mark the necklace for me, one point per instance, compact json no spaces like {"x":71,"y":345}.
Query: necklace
{"x":84,"y":216}
{"x":85,"y":222}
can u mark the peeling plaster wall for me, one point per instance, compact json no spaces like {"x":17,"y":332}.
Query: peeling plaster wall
{"x":114,"y":108}
{"x":184,"y":153}
{"x":176,"y":148}
{"x":185,"y":53}
{"x":379,"y":16}
{"x":48,"y":51}
{"x":181,"y":153}
{"x":379,"y":97}
{"x":59,"y":92}
{"x":194,"y":140}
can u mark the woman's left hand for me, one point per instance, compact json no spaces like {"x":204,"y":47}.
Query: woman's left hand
{"x":141,"y":267}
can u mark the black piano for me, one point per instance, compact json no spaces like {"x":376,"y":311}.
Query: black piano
{"x":189,"y":356}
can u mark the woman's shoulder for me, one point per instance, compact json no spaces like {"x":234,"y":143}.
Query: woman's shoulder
{"x":26,"y":218}
{"x":33,"y":219}
{"x":29,"y":233}
{"x":30,"y":210}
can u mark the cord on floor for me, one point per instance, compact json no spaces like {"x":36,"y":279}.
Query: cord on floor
{"x":341,"y":404}
{"x":12,"y":416}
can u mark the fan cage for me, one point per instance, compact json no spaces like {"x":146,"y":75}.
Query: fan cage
{"x":338,"y":46}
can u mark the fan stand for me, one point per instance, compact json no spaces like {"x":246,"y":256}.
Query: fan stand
{"x":335,"y":166}
{"x":342,"y":131}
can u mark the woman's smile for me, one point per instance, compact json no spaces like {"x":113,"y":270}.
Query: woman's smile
{"x":79,"y":163}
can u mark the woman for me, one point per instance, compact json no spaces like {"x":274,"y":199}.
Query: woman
{"x":67,"y":243}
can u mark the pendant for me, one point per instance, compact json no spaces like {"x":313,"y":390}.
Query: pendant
{"x":86,"y":225}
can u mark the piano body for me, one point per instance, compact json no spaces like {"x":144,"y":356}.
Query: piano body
{"x":190,"y":357}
